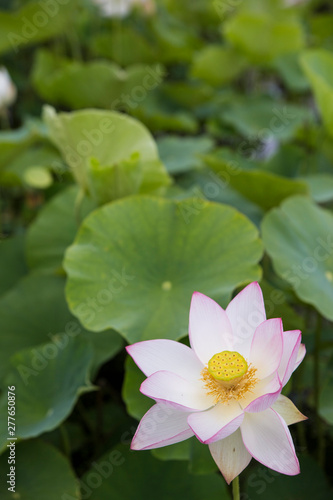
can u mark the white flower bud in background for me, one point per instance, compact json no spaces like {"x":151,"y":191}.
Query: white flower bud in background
{"x":121,"y":8}
{"x":7,"y":89}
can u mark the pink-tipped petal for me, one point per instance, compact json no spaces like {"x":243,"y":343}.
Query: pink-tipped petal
{"x":245,"y":312}
{"x":155,"y":355}
{"x":264,"y":394}
{"x":267,"y":438}
{"x":230,"y":455}
{"x":210,"y":330}
{"x":162,"y":425}
{"x":300,"y":356}
{"x":217,"y":423}
{"x":291,"y":343}
{"x":288,"y":411}
{"x":168,"y":387}
{"x":266,"y":348}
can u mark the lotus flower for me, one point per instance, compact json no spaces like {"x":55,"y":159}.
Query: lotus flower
{"x":226,"y":388}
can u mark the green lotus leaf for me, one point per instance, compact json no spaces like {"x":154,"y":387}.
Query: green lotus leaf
{"x":115,"y":181}
{"x":48,"y":380}
{"x":264,"y":36}
{"x":201,"y":461}
{"x":289,"y":68}
{"x":100,"y":84}
{"x":135,"y":263}
{"x":259,"y":118}
{"x":35,"y":312}
{"x":180,"y":154}
{"x":32,"y":166}
{"x":12,"y":261}
{"x":125,"y":46}
{"x":298,"y":238}
{"x":166,"y":479}
{"x":14,"y":142}
{"x":320,"y":187}
{"x":318,"y":67}
{"x":310,"y":483}
{"x":41,"y":471}
{"x":44,"y":248}
{"x":34,"y":22}
{"x":211,"y":186}
{"x":108,"y":138}
{"x":218,"y":65}
{"x":160,"y":113}
{"x":178,"y":451}
{"x":254,"y":183}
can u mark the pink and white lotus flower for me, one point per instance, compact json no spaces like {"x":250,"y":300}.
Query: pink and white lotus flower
{"x":226,"y":388}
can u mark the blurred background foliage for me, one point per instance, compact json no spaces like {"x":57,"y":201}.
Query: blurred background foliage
{"x":185,"y":146}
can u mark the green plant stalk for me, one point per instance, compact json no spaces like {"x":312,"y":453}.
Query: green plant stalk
{"x":316,"y":384}
{"x":73,"y":37}
{"x":235,"y":489}
{"x":65,"y":440}
{"x":297,"y":388}
{"x":74,"y":44}
{"x":78,"y":204}
{"x":4,"y":119}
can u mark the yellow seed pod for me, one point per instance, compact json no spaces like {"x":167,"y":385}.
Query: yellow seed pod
{"x":227,"y":366}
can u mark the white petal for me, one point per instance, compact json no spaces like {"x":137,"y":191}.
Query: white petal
{"x":210,"y":329}
{"x":300,"y":356}
{"x":167,"y":386}
{"x":245,"y":312}
{"x":230,"y":455}
{"x":216,"y":423}
{"x":162,"y":425}
{"x":291,"y":343}
{"x":288,"y":411}
{"x":263,"y":395}
{"x":266,"y":347}
{"x":155,"y":355}
{"x":267,"y":437}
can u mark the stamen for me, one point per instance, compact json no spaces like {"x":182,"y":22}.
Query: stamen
{"x":223,"y":391}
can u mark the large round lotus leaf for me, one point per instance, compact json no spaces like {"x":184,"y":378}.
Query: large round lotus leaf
{"x":135,"y":263}
{"x":42,"y":472}
{"x":298,"y":238}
